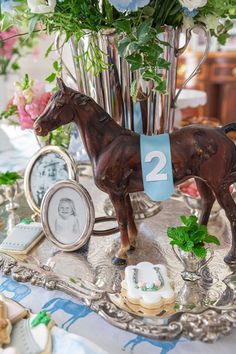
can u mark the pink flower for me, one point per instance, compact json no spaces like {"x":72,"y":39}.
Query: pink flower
{"x":24,"y":118}
{"x":6,"y":48}
{"x":30,"y":103}
{"x":157,"y":283}
{"x":141,"y":284}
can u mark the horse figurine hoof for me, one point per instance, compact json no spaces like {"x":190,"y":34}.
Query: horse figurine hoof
{"x":230,"y":259}
{"x":119,"y":261}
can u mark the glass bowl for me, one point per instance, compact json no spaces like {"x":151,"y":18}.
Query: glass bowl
{"x":193,"y":200}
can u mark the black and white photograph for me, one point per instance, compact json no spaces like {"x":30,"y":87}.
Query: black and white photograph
{"x":47,"y":170}
{"x":67,"y":214}
{"x":48,"y":166}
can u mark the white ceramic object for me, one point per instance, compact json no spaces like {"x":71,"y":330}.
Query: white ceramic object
{"x":191,"y":98}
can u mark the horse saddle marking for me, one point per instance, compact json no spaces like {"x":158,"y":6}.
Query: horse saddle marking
{"x":156,"y":166}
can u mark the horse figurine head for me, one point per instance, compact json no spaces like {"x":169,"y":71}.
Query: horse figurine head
{"x":61,"y":109}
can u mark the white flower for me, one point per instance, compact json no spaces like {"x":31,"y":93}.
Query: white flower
{"x":41,"y":6}
{"x":193,"y":4}
{"x":210,"y":21}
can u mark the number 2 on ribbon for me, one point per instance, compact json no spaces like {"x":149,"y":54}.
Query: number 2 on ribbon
{"x":154,"y":175}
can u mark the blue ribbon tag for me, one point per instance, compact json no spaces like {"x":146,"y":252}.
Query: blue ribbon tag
{"x":156,"y":166}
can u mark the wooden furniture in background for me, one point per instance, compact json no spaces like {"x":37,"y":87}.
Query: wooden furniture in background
{"x":218,"y":78}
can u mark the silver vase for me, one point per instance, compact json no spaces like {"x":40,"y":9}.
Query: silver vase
{"x":192,"y":264}
{"x":10,"y":192}
{"x":151,"y":112}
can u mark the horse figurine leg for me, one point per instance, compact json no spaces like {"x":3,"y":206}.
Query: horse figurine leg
{"x":226,"y":201}
{"x":119,"y":203}
{"x":132,"y":229}
{"x":207,"y":201}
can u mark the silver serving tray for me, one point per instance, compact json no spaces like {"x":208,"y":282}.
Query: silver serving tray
{"x":204,"y":310}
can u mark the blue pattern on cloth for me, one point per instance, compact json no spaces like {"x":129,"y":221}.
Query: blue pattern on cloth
{"x":69,"y":307}
{"x":165,"y":346}
{"x":157,"y":166}
{"x":17,"y":290}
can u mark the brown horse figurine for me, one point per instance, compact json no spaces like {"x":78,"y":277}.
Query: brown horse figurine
{"x":201,"y":152}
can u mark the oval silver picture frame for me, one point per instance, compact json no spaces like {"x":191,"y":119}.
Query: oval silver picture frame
{"x":53,"y":160}
{"x":67,"y":214}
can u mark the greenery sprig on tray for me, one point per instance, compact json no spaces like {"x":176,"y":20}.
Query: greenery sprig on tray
{"x":9,"y":178}
{"x":191,"y":236}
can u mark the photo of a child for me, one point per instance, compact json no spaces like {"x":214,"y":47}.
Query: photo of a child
{"x":66,"y":222}
{"x":67,"y":216}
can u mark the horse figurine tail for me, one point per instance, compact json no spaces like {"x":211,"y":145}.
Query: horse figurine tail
{"x":228,"y":128}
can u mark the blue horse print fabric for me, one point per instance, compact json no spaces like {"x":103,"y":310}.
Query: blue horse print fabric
{"x":93,"y":334}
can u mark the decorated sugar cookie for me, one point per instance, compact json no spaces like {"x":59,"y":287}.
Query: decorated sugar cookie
{"x":5,"y":325}
{"x":148,"y":286}
{"x":32,"y":335}
{"x":22,"y":238}
{"x":15,"y":311}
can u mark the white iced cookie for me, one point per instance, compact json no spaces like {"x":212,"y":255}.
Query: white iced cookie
{"x":29,"y":339}
{"x":148,"y":285}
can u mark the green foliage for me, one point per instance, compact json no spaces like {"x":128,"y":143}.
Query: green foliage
{"x":26,"y":82}
{"x":140,"y":41}
{"x":57,"y":69}
{"x":9,"y":178}
{"x":191,"y":236}
{"x":11,"y":111}
{"x":143,"y":50}
{"x":58,"y":137}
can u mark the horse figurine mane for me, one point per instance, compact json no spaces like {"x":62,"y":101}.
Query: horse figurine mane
{"x":205,"y":153}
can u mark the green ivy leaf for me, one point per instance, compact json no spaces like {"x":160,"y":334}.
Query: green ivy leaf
{"x":151,"y":75}
{"x":163,"y":64}
{"x":6,"y":22}
{"x":143,"y":31}
{"x":133,"y":47}
{"x":133,"y":90}
{"x":223,"y":38}
{"x":161,"y":87}
{"x":56,"y":66}
{"x":148,"y":11}
{"x":135,"y":60}
{"x":32,"y":24}
{"x":48,"y":51}
{"x":51,"y":77}
{"x":123,"y":26}
{"x":123,"y":46}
